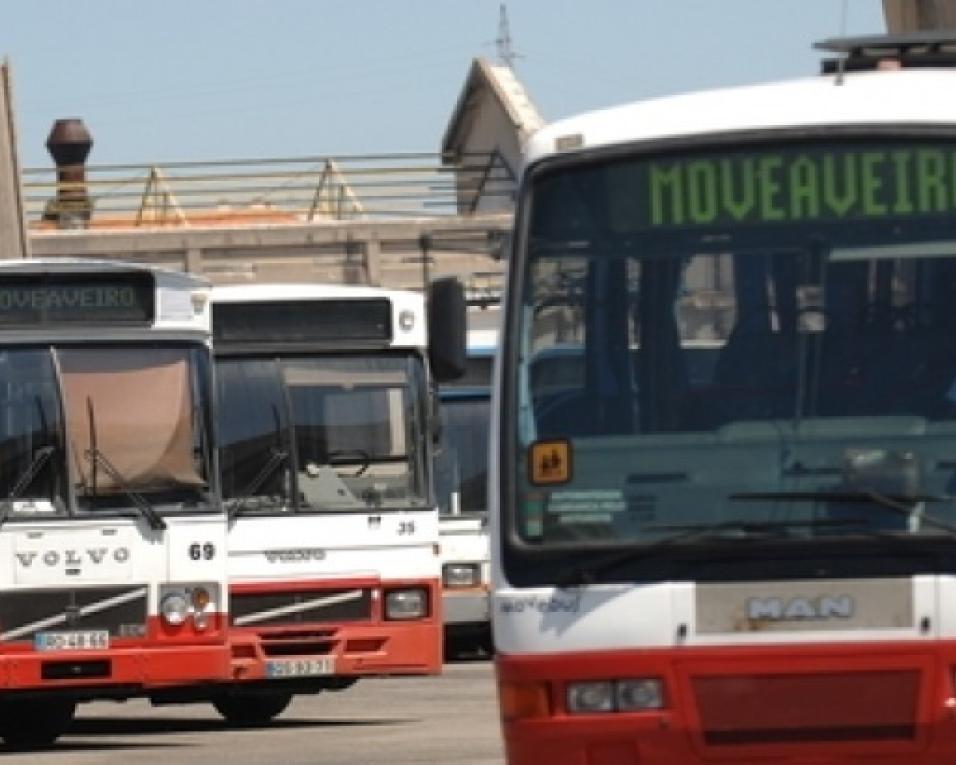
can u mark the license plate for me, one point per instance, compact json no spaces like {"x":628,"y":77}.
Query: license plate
{"x":72,"y":641}
{"x":301,"y":667}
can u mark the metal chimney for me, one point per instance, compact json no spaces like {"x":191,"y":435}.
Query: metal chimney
{"x":69,"y":144}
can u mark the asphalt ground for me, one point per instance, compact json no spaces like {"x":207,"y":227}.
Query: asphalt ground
{"x":450,"y":719}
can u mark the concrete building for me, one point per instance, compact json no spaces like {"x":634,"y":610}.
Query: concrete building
{"x":393,"y":220}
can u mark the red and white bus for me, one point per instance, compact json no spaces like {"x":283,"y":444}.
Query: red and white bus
{"x":111,"y":527}
{"x":726,"y":531}
{"x":327,"y":419}
{"x":461,"y":481}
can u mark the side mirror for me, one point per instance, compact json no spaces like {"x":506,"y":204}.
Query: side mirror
{"x":447,"y":353}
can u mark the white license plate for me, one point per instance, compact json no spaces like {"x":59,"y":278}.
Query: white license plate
{"x":301,"y":667}
{"x":72,"y":641}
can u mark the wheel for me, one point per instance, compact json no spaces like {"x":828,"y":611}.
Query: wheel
{"x":246,"y":710}
{"x":36,"y":723}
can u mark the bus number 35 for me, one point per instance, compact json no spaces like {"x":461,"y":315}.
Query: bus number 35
{"x":406,"y":527}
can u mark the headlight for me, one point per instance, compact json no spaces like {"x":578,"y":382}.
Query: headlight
{"x":461,"y":575}
{"x":591,"y":697}
{"x":179,"y":603}
{"x":625,"y":695}
{"x":643,"y":693}
{"x":174,"y":607}
{"x":406,"y":604}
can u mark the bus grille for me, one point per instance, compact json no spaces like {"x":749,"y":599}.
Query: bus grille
{"x":121,"y":611}
{"x":276,"y":609}
{"x":810,"y":708}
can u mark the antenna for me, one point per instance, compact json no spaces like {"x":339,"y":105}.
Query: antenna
{"x":841,"y":65}
{"x":506,"y":54}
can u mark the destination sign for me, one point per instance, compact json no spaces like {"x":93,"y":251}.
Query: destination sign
{"x":45,"y":299}
{"x":799,"y":184}
{"x":303,"y":321}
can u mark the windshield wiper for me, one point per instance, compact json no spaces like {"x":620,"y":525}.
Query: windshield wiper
{"x":900,"y":504}
{"x":154,"y":519}
{"x":96,"y":458}
{"x":40,"y":458}
{"x":276,"y":458}
{"x":695,"y":532}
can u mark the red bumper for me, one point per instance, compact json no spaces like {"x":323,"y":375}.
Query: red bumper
{"x":169,"y":657}
{"x":368,"y":646}
{"x":892,"y":704}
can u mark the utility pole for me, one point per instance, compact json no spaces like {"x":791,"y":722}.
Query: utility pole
{"x":506,"y":53}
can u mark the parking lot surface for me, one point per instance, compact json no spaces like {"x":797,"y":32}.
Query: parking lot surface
{"x":451,"y":719}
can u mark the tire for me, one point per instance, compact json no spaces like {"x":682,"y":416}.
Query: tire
{"x":252,"y":709}
{"x":34,"y":724}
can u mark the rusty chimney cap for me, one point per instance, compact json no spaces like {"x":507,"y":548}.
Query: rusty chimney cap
{"x":69,"y":142}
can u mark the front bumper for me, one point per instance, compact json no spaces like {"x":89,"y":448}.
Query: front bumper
{"x":466,"y":607}
{"x":111,"y":674}
{"x":887,"y":703}
{"x":335,"y":649}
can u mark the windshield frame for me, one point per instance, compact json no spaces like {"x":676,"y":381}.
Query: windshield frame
{"x":527,"y":563}
{"x":67,"y":503}
{"x":418,"y":384}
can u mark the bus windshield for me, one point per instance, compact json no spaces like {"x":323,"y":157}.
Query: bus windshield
{"x":323,"y":433}
{"x":68,"y":444}
{"x":751,"y":341}
{"x":461,"y":470}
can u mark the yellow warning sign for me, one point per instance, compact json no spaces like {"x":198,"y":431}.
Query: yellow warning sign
{"x":549,"y":462}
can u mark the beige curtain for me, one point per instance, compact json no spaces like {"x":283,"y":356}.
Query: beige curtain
{"x":142,"y":412}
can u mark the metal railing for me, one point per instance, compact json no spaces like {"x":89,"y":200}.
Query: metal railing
{"x":370,"y":187}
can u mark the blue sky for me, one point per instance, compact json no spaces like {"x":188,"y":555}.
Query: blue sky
{"x":213,"y":79}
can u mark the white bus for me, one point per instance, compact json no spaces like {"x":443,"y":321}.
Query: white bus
{"x":461,"y":480}
{"x":326,"y":419}
{"x":110,"y":520}
{"x":730,"y":535}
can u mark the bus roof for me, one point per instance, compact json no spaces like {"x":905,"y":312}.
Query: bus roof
{"x":402,"y":306}
{"x":242,"y":293}
{"x":167,"y":277}
{"x":901,"y":97}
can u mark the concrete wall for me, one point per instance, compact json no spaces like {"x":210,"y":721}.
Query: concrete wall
{"x":385,"y":253}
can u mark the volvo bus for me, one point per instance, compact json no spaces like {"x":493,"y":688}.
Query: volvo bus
{"x":327,"y":419}
{"x":461,"y":477}
{"x":113,"y":535}
{"x":731,"y":536}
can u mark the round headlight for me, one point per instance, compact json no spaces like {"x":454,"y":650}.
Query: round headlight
{"x":173,"y":608}
{"x":200,"y":598}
